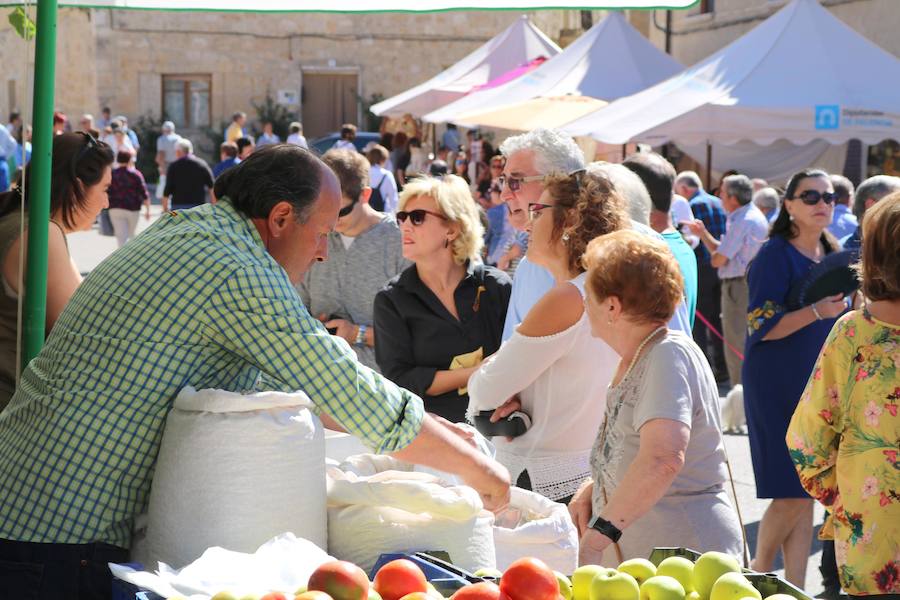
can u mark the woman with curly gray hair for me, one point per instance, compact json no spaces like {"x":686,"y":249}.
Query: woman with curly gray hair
{"x":438,"y":319}
{"x":551,"y":367}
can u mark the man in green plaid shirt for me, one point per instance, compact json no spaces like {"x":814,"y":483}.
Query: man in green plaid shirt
{"x":205,"y":298}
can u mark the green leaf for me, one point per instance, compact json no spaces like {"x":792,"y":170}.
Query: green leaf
{"x":22,"y":23}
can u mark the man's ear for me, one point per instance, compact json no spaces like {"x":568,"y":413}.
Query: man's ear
{"x":365,"y":195}
{"x":280,"y":217}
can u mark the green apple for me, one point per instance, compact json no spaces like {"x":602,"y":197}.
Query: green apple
{"x":565,"y":586}
{"x":709,"y":567}
{"x":224,"y":596}
{"x":488,"y":572}
{"x":613,"y":585}
{"x":373,"y":595}
{"x":301,"y":590}
{"x":581,"y":580}
{"x":780,"y":597}
{"x":662,"y":587}
{"x":639,"y":568}
{"x":733,"y":586}
{"x":695,"y":595}
{"x":681,"y":569}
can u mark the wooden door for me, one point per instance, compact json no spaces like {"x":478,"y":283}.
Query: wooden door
{"x":329,"y":100}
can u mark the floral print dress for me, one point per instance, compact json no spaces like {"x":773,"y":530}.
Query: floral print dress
{"x":844,"y":440}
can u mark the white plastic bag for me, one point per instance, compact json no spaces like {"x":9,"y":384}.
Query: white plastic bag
{"x":283,"y":563}
{"x":233,"y":471}
{"x":377,"y":504}
{"x":536,"y":526}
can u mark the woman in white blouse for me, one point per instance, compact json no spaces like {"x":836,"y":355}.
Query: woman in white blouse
{"x":552,"y":368}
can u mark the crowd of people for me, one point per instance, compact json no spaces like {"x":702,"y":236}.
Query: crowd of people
{"x":389,"y":285}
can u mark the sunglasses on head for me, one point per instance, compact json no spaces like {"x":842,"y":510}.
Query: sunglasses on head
{"x":515,"y":183}
{"x":417,"y":217}
{"x":89,"y":143}
{"x":535,"y":208}
{"x":812,"y":197}
{"x":347,"y":209}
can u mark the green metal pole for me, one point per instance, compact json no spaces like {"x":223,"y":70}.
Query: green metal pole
{"x":35,"y":308}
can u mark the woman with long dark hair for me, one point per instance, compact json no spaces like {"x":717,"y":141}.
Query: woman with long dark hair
{"x":781,"y":349}
{"x":82,"y":172}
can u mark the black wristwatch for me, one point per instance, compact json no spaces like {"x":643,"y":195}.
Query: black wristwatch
{"x":606,"y":528}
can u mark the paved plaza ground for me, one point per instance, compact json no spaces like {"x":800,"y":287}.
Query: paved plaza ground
{"x":89,"y":248}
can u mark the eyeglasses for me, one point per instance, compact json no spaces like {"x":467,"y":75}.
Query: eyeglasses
{"x":535,"y":208}
{"x":347,"y":209}
{"x":812,"y":197}
{"x":515,"y":183}
{"x":417,"y":217}
{"x":89,"y":144}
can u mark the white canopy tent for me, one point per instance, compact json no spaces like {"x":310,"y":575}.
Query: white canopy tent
{"x":801,"y":76}
{"x":357,"y":6}
{"x":609,"y":61}
{"x":518,"y":44}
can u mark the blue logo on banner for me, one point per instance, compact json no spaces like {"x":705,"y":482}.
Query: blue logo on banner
{"x":828,"y":116}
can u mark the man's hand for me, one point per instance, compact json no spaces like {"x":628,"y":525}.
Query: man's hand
{"x":492,"y":483}
{"x":581,"y":507}
{"x":345,"y":329}
{"x":697,"y":227}
{"x":591,"y":547}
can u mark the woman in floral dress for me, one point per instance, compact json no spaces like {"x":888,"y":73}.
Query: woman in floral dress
{"x":844,"y":437}
{"x":782,"y":345}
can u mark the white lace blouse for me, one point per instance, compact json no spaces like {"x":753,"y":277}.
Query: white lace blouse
{"x":561,"y":380}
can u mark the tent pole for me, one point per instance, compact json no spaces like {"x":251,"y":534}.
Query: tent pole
{"x":35,"y":306}
{"x":434,"y":144}
{"x":708,"y":166}
{"x":624,"y":151}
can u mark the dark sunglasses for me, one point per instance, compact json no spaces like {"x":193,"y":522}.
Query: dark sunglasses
{"x":417,"y":217}
{"x":89,"y":144}
{"x":347,"y":209}
{"x":515,"y":183}
{"x":812,"y":197}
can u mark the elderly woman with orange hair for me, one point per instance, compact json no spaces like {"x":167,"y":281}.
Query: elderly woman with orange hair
{"x":658,"y":463}
{"x":843,"y":437}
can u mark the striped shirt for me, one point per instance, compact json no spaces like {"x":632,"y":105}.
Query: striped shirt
{"x":195,"y":300}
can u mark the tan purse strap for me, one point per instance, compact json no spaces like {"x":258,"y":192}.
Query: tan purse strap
{"x":737,"y":506}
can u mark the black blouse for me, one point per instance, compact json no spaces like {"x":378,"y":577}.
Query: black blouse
{"x":416,"y":336}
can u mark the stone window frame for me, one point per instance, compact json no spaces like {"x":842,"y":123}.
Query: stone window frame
{"x":187,"y":78}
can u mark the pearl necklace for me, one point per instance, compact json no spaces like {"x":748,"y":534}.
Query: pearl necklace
{"x":637,"y":352}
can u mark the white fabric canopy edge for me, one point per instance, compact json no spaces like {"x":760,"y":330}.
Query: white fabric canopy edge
{"x":373,"y":6}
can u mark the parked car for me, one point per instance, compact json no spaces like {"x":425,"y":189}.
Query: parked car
{"x":324,"y":144}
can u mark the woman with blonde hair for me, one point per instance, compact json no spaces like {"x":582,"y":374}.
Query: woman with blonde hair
{"x":551,"y":367}
{"x":658,"y":463}
{"x":438,"y":319}
{"x":843,"y":437}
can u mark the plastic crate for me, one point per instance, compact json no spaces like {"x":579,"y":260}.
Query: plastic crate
{"x":766,"y":583}
{"x":442,"y":574}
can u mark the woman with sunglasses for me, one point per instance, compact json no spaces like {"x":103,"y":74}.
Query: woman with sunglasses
{"x":552,"y":367}
{"x":82,"y":173}
{"x":438,"y":319}
{"x":781,"y":350}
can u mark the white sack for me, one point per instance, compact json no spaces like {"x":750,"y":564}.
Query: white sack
{"x":377,"y":505}
{"x":536,"y":526}
{"x":233,"y":471}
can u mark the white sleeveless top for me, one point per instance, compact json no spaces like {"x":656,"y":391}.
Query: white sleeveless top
{"x":562,"y":381}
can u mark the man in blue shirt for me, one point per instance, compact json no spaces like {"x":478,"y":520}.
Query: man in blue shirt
{"x":228,"y":157}
{"x":843,"y":222}
{"x":747,"y":231}
{"x":868,"y":193}
{"x":708,"y":209}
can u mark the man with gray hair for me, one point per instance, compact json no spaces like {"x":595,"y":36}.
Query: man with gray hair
{"x":189,"y":179}
{"x":708,"y":209}
{"x":529,"y":158}
{"x":868,"y":193}
{"x":843,"y":222}
{"x":746,"y":231}
{"x":768,"y":201}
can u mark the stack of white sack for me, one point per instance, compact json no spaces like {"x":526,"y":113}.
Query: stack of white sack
{"x":233,"y":471}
